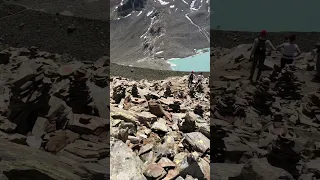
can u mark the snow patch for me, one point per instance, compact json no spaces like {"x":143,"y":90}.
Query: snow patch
{"x":171,"y":6}
{"x":149,"y":13}
{"x":159,"y":52}
{"x":127,"y":15}
{"x":185,"y":2}
{"x":163,"y":2}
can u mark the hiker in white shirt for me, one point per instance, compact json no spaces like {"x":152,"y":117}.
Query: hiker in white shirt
{"x":200,"y":78}
{"x":317,"y":55}
{"x":290,"y":51}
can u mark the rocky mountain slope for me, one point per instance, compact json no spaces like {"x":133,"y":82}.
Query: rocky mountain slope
{"x":159,"y":130}
{"x":266,"y":130}
{"x":147,"y":33}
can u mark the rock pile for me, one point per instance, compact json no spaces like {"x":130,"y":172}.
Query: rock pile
{"x":58,"y":108}
{"x":158,"y":130}
{"x":287,"y":85}
{"x":263,"y":96}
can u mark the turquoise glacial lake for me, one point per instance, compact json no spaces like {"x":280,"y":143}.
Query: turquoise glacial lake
{"x":199,"y":62}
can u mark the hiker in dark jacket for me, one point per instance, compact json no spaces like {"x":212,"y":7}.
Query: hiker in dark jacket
{"x":190,"y":79}
{"x":258,"y":53}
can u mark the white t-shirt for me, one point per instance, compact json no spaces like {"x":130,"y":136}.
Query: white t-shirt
{"x":289,"y":50}
{"x":200,"y":77}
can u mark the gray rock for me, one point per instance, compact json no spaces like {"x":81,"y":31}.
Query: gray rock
{"x":126,"y":165}
{"x":225,"y":171}
{"x":262,"y":170}
{"x":197,"y":141}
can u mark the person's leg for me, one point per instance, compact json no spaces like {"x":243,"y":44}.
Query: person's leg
{"x":283,"y":63}
{"x":254,"y":65}
{"x":290,"y":61}
{"x":260,"y":66}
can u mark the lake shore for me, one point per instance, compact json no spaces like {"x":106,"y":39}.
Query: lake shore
{"x":198,"y":62}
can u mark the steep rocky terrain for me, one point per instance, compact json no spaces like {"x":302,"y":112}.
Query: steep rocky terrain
{"x":46,"y":130}
{"x":147,"y":33}
{"x":159,"y":129}
{"x":267,"y":130}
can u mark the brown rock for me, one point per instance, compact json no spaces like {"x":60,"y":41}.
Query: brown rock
{"x":172,"y":174}
{"x":261,"y":169}
{"x":87,"y":149}
{"x":35,"y":164}
{"x":199,"y":169}
{"x":197,"y":141}
{"x":166,"y":163}
{"x":69,"y":69}
{"x":60,"y":139}
{"x":146,"y":118}
{"x":41,"y":126}
{"x":4,"y":57}
{"x":85,"y":124}
{"x":59,"y":112}
{"x":156,"y":108}
{"x":154,"y":171}
{"x":6,"y":125}
{"x":145,"y":148}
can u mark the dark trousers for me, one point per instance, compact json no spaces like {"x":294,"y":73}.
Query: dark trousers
{"x":284,"y":62}
{"x":258,"y":59}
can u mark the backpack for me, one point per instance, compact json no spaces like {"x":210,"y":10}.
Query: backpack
{"x":261,"y":48}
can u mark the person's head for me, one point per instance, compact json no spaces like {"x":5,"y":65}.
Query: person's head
{"x":263,"y":34}
{"x":191,"y":72}
{"x":292,"y":38}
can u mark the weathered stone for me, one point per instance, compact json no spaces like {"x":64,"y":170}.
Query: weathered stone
{"x":225,"y":171}
{"x":41,"y":126}
{"x":126,"y":165}
{"x":85,"y":124}
{"x":200,"y":170}
{"x":59,"y":140}
{"x":261,"y":169}
{"x":156,"y":108}
{"x":188,"y":123}
{"x":69,"y":69}
{"x":160,"y":126}
{"x":121,"y":114}
{"x":197,"y":141}
{"x":172,"y":174}
{"x":87,"y":149}
{"x":166,"y":163}
{"x":59,"y":112}
{"x":145,"y":149}
{"x":146,"y":118}
{"x":312,"y":167}
{"x":34,"y":142}
{"x":6,"y":125}
{"x":35,"y":164}
{"x":121,"y":134}
{"x":4,"y":57}
{"x":154,"y":171}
